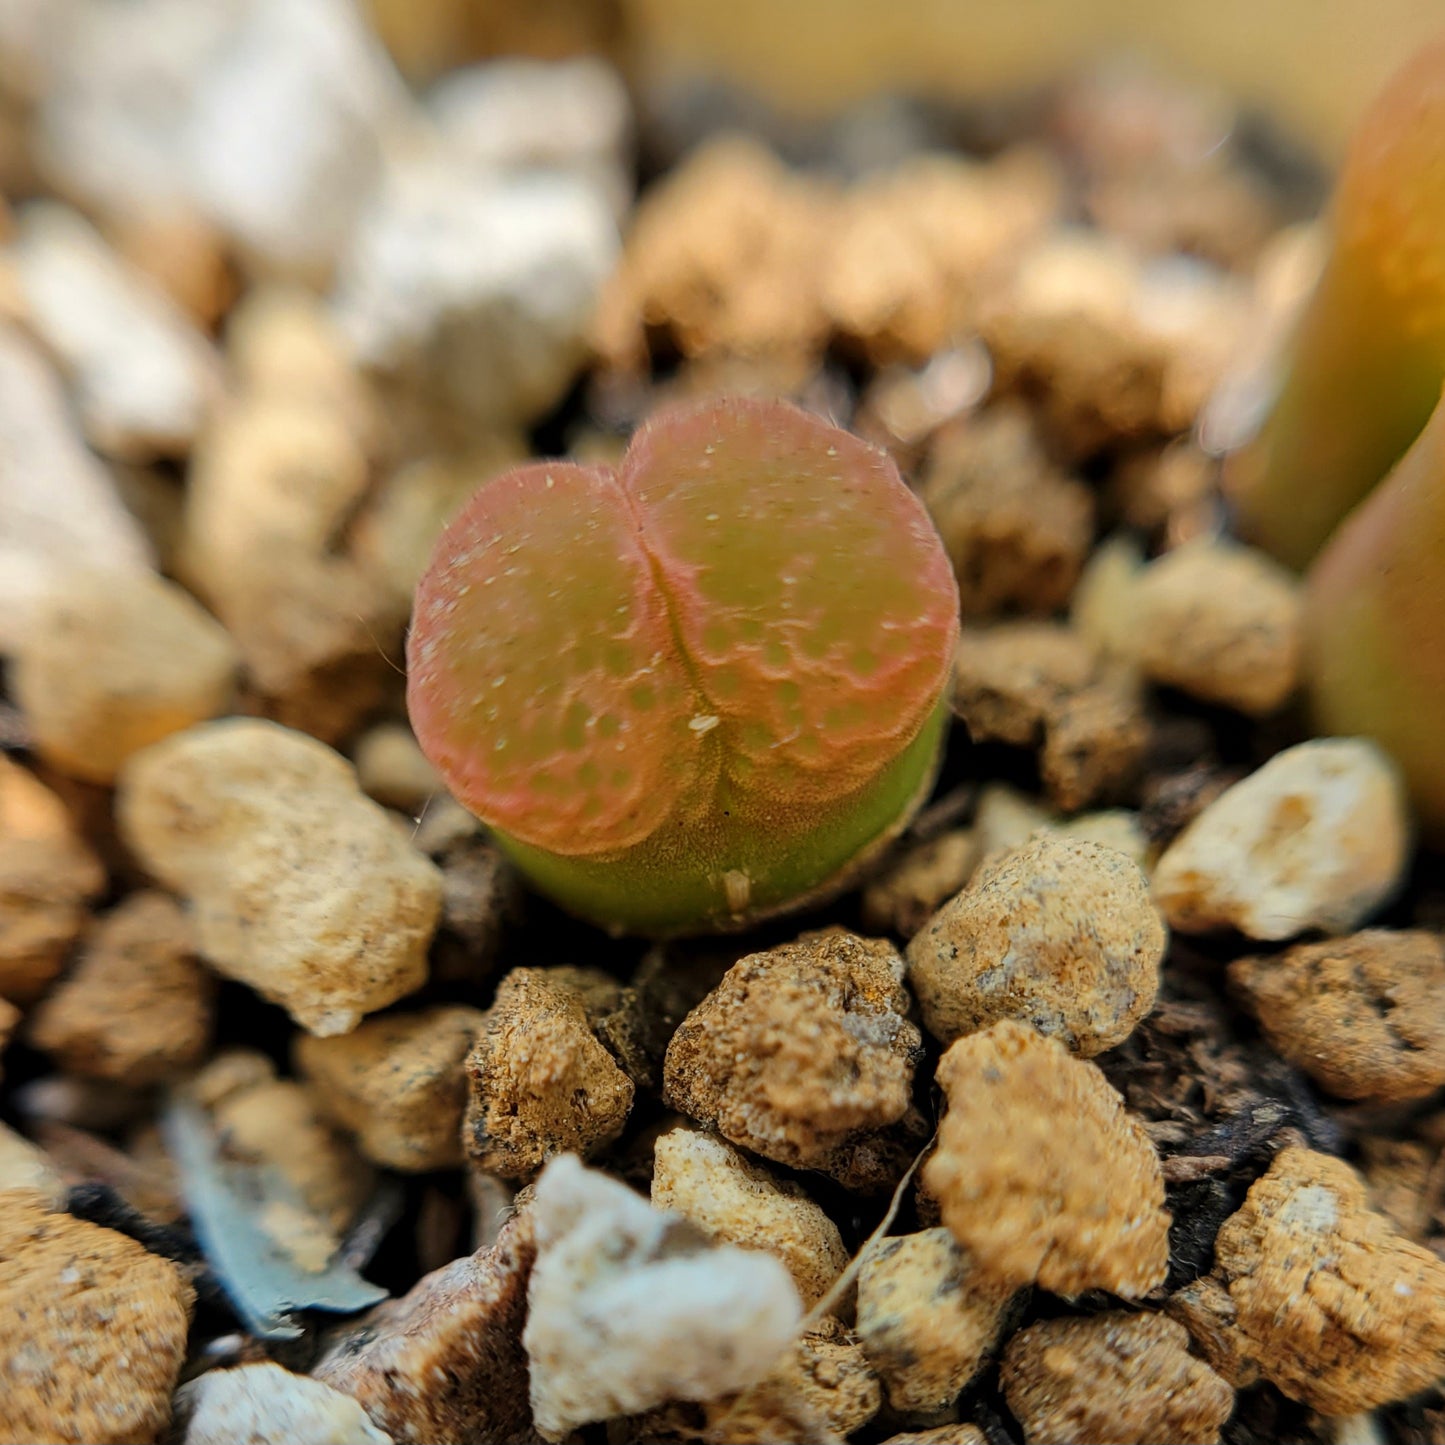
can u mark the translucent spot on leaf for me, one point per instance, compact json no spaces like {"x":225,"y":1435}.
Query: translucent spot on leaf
{"x":642,"y":697}
{"x":574,"y":726}
{"x":607,"y":726}
{"x":739,"y":889}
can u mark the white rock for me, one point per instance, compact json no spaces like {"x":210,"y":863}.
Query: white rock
{"x":1318,"y":838}
{"x":478,"y":287}
{"x":58,"y":505}
{"x":515,"y":114}
{"x":255,"y":1404}
{"x":285,"y":137}
{"x":300,"y":886}
{"x":117,"y":93}
{"x":144,"y":376}
{"x":628,"y":1307}
{"x":737,"y":1200}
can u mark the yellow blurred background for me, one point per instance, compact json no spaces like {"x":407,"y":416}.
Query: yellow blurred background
{"x":1311,"y":63}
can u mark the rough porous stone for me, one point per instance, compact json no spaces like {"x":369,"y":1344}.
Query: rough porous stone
{"x":1317,"y":838}
{"x":539,"y":1083}
{"x":48,"y":874}
{"x":927,"y":1317}
{"x":95,"y":1329}
{"x":255,"y":1404}
{"x":1061,"y":934}
{"x":1016,"y":529}
{"x":1112,"y":1379}
{"x":801,"y":1053}
{"x":629,"y":1307}
{"x":734,"y":1199}
{"x":1044,"y":685}
{"x":1361,"y":1015}
{"x":300,"y":886}
{"x":444,"y":1365}
{"x":1220,"y":622}
{"x":1041,"y":1173}
{"x":137,"y":1007}
{"x":397,"y":1084}
{"x":274,"y":480}
{"x":823,"y":1389}
{"x":113,"y":663}
{"x":1315,"y":1291}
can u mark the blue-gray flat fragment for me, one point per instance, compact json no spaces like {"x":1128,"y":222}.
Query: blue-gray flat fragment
{"x":225,"y":1198}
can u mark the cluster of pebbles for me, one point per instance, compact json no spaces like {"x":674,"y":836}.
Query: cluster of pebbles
{"x":1106,"y":1110}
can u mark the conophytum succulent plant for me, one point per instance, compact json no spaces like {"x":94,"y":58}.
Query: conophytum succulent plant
{"x":1364,"y":375}
{"x":1367,"y":359}
{"x":695,"y":690}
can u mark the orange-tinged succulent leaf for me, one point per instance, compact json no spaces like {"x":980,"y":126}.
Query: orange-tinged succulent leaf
{"x":1375,"y":621}
{"x":807,"y":586}
{"x":1366,"y":364}
{"x":694,"y":689}
{"x":542,"y":676}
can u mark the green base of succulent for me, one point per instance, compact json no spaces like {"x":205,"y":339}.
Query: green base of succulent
{"x":740,"y":863}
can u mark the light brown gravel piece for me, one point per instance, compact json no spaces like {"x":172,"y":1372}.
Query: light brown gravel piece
{"x":47,"y":876}
{"x":941,"y":1435}
{"x":539,"y":1083}
{"x":630,"y":1307}
{"x":1044,"y":685}
{"x":137,"y":1007}
{"x":1016,"y":529}
{"x":255,"y":1404}
{"x":392,"y":769}
{"x":723,"y":255}
{"x":113,"y":663}
{"x":300,"y":886}
{"x":444,"y":1364}
{"x":1041,"y":1173}
{"x":1316,"y":838}
{"x":27,"y":1168}
{"x":927,"y":1318}
{"x":9,"y":1020}
{"x":801,"y":1052}
{"x":1317,"y":1293}
{"x":95,"y":1329}
{"x":1112,"y":1379}
{"x":1361,"y":1015}
{"x":739,"y":1201}
{"x":1222,"y":623}
{"x":275,"y":479}
{"x":276,"y":1122}
{"x":397,"y":1084}
{"x":913,"y":246}
{"x":1060,"y":934}
{"x":903,"y":898}
{"x":823,"y":1389}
